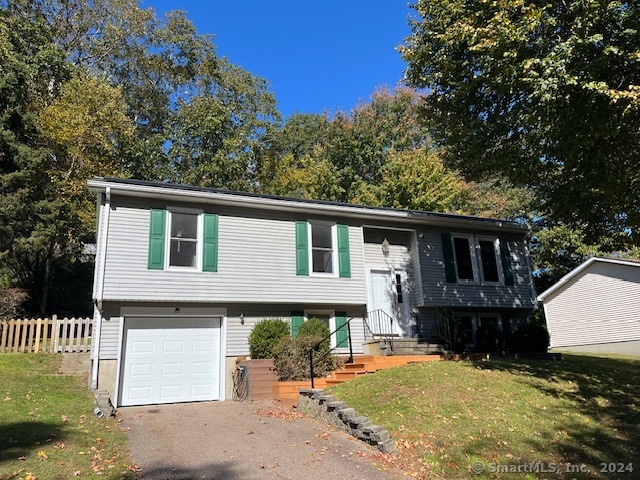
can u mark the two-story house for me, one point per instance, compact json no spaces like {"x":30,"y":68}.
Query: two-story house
{"x":183,"y":273}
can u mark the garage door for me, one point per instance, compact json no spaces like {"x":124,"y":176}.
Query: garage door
{"x":169,"y":360}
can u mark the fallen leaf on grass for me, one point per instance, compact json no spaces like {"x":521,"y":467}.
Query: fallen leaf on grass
{"x":42,"y":454}
{"x":14,"y":474}
{"x":64,"y":418}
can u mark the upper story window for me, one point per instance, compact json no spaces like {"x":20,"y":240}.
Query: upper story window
{"x":183,"y":239}
{"x":474,"y":258}
{"x":489,"y":259}
{"x":464,"y":261}
{"x":322,"y":247}
{"x":183,"y":243}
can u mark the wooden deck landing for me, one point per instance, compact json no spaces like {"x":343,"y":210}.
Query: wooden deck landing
{"x":287,"y":392}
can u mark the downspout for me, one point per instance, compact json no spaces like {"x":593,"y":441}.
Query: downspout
{"x":98,"y":281}
{"x":528,"y":255}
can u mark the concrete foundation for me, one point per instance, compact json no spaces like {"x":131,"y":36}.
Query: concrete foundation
{"x":621,"y":348}
{"x":107,"y":377}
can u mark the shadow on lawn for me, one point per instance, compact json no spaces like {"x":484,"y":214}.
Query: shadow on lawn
{"x":604,"y":389}
{"x":19,"y":439}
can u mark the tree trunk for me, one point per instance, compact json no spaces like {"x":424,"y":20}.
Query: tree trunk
{"x":45,"y":286}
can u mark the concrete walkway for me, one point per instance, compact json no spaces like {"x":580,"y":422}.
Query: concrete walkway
{"x":248,"y":440}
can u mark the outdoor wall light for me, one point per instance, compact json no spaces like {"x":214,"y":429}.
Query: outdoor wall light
{"x":385,"y":247}
{"x":242,"y":319}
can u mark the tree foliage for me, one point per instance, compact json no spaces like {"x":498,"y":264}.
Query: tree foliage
{"x":104,"y":87}
{"x":379,"y":154}
{"x":265,"y":335}
{"x":546,"y":94}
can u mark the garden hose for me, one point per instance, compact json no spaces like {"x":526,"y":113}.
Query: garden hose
{"x":240,"y":384}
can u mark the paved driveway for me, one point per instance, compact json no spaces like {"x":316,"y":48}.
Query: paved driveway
{"x":229,"y":440}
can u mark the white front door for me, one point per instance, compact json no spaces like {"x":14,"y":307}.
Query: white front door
{"x":388,"y":293}
{"x":382,"y":299}
{"x":169,"y":360}
{"x":382,"y":296}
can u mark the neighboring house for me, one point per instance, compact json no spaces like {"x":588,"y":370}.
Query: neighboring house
{"x":595,"y":308}
{"x":183,"y":273}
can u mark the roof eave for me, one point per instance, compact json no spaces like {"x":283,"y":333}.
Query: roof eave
{"x":583,"y":266}
{"x":293,"y":205}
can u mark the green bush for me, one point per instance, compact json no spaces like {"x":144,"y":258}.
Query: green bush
{"x":531,"y":337}
{"x":265,"y":335}
{"x":291,"y":357}
{"x":314,"y":327}
{"x":489,"y":338}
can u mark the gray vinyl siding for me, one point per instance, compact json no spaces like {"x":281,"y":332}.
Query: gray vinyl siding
{"x":109,"y":332}
{"x":437,"y":292}
{"x":599,"y":305}
{"x":415,"y":295}
{"x":256,"y":264}
{"x":400,"y":256}
{"x":238,"y":334}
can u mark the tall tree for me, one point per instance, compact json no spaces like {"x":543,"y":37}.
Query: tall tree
{"x":378,"y":154}
{"x":178,"y":92}
{"x":33,"y":219}
{"x":544,"y":93}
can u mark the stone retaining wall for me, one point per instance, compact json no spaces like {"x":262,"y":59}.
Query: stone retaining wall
{"x":322,"y":405}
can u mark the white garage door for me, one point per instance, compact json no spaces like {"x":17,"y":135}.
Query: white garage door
{"x":169,"y":360}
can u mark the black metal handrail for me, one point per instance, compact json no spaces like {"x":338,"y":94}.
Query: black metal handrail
{"x":382,"y":324}
{"x":314,"y":348}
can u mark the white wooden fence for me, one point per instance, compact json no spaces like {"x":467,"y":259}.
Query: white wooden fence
{"x":53,"y":334}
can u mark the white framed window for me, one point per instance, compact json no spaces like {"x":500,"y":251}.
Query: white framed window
{"x":184,"y":234}
{"x":489,"y":260}
{"x":327,"y":316}
{"x":477,"y":259}
{"x":323,"y":248}
{"x":490,"y":319}
{"x":467,"y":324}
{"x":464,"y":257}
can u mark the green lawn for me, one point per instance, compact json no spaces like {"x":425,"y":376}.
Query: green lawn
{"x":47,"y":426}
{"x":580,"y":413}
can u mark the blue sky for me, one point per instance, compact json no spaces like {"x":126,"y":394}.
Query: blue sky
{"x":318,"y":56}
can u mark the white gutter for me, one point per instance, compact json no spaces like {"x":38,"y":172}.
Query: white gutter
{"x":98,"y":280}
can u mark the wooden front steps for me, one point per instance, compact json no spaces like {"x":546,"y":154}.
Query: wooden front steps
{"x":287,"y":392}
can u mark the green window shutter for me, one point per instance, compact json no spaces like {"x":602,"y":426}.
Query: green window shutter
{"x":297,"y":319}
{"x":449,"y":261}
{"x":507,"y":268}
{"x":302,"y":248}
{"x":344,"y":260}
{"x":342,"y":334}
{"x":157,"y":223}
{"x":210,"y":243}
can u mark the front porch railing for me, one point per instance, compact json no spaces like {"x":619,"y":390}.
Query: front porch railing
{"x":379,"y":324}
{"x":338,"y":345}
